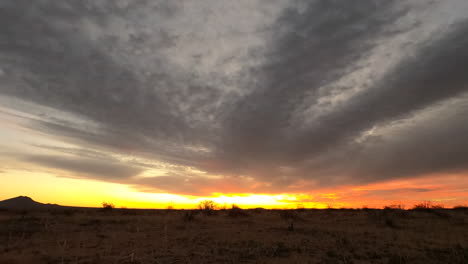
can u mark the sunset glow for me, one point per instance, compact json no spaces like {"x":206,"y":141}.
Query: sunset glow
{"x":446,"y":191}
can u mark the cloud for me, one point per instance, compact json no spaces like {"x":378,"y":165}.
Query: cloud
{"x":261,"y":96}
{"x":88,"y":168}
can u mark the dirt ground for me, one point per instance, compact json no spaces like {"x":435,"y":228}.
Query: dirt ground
{"x":234,"y":236}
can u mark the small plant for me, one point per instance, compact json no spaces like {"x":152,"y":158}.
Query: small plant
{"x":426,"y":205}
{"x":300,"y":207}
{"x":107,"y":206}
{"x":223,"y":207}
{"x":438,"y":206}
{"x":258,"y":210}
{"x":170,"y":206}
{"x":236,"y":211}
{"x":394,"y":207}
{"x":207,"y":207}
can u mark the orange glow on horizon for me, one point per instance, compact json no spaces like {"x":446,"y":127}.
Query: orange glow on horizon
{"x":448,"y":191}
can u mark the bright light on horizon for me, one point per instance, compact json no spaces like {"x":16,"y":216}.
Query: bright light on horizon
{"x":91,"y":193}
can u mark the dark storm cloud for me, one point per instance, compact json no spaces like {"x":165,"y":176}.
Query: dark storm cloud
{"x":318,"y":45}
{"x":51,"y":64}
{"x":433,"y":74}
{"x":432,"y":145}
{"x":194,"y":94}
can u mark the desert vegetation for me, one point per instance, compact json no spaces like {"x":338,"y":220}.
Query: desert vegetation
{"x":234,"y":235}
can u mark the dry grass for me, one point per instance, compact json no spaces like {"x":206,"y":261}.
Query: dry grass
{"x":235,"y":236}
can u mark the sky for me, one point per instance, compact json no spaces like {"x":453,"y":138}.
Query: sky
{"x":262,"y":103}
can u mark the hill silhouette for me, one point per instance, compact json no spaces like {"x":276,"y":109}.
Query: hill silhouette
{"x":25,"y":203}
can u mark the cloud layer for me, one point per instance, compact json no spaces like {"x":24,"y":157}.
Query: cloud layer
{"x":245,"y":96}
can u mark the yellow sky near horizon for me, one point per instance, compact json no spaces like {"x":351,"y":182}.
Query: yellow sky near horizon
{"x":47,"y":188}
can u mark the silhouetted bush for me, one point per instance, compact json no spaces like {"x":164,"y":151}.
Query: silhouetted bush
{"x":394,"y":207}
{"x":300,"y":207}
{"x":106,"y":207}
{"x":258,"y":210}
{"x":207,"y":207}
{"x":236,"y":211}
{"x":423,"y":206}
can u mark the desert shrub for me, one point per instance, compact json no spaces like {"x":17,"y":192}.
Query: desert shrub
{"x":170,"y":206}
{"x":300,"y":207}
{"x":258,"y":210}
{"x":368,"y":210}
{"x":395,"y":210}
{"x":394,"y":207}
{"x":207,"y":207}
{"x":236,"y":211}
{"x":423,"y":206}
{"x":107,"y":206}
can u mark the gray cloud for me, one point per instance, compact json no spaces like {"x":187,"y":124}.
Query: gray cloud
{"x":89,"y":168}
{"x":291,"y":96}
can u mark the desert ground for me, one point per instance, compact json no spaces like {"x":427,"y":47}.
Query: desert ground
{"x":234,"y":236}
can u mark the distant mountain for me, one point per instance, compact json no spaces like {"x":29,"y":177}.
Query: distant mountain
{"x":25,"y":203}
